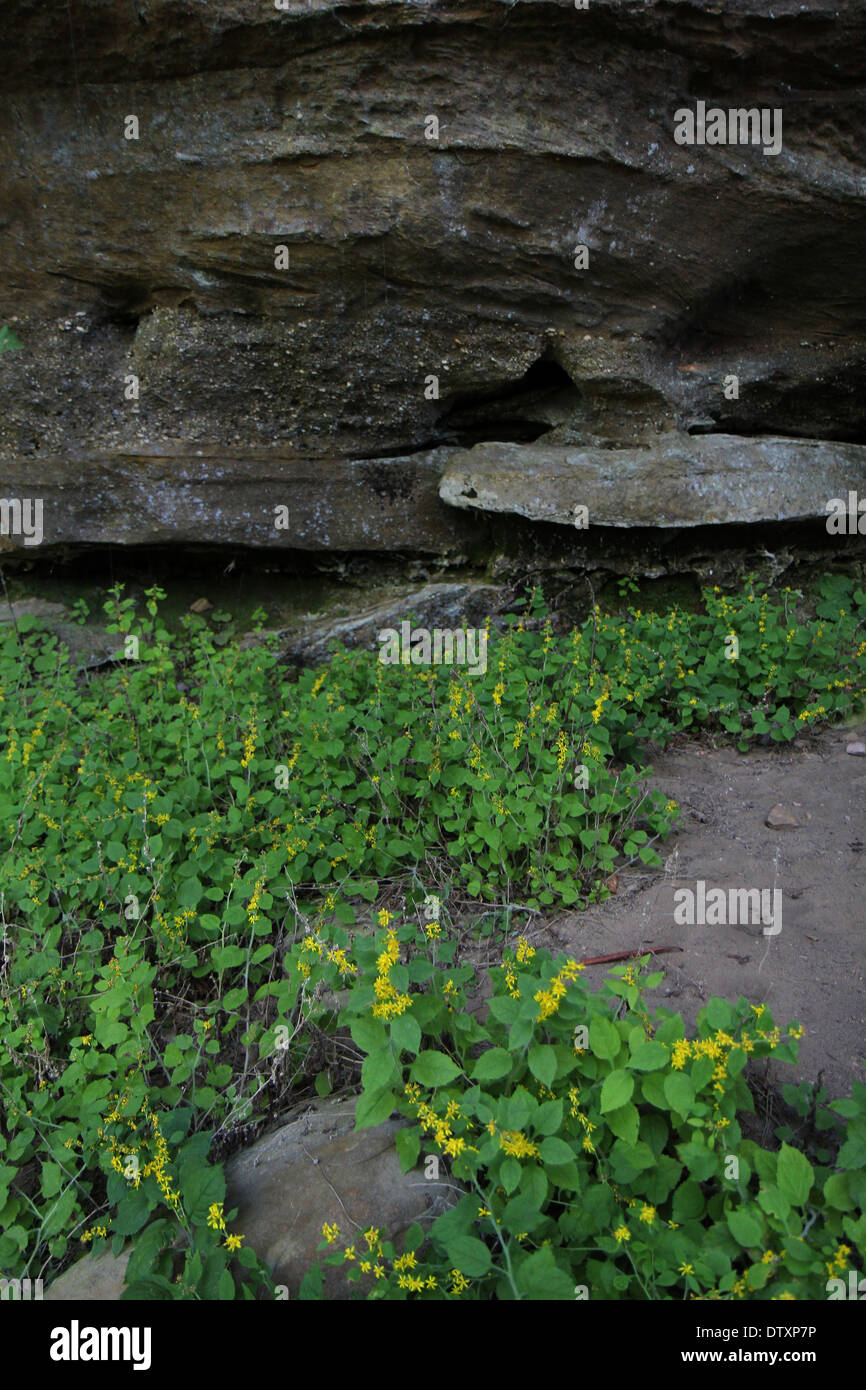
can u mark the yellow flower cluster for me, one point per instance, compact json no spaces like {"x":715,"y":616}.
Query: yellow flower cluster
{"x":517,"y":1145}
{"x":93,"y":1231}
{"x":335,"y":955}
{"x":390,"y":1003}
{"x":839,"y":1261}
{"x":561,"y":750}
{"x":215,"y":1217}
{"x":124,"y":1158}
{"x":548,"y":1000}
{"x":249,"y":744}
{"x":439,"y":1126}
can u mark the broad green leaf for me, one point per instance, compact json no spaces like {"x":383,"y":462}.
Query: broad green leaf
{"x":556,"y":1151}
{"x":406,"y":1032}
{"x":624,"y":1122}
{"x":794,"y":1175}
{"x":616,"y":1090}
{"x":374,"y":1109}
{"x":649,"y":1056}
{"x":604,"y":1039}
{"x":408,"y":1145}
{"x":542,"y":1063}
{"x":746,"y":1228}
{"x":540,"y":1279}
{"x":470,"y":1255}
{"x":432,"y":1068}
{"x":679,"y":1092}
{"x":493,"y":1065}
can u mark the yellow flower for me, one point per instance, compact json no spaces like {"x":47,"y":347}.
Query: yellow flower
{"x":681,"y":1053}
{"x":517,"y":1145}
{"x":87,"y":1039}
{"x":647,"y":1214}
{"x":330,"y":1233}
{"x":686,"y":1269}
{"x":622,"y":1233}
{"x":215,"y":1218}
{"x":233,"y":1242}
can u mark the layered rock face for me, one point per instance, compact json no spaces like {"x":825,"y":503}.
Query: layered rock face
{"x":352,"y":241}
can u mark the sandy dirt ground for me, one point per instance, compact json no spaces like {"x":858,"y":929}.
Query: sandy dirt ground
{"x":814,"y":969}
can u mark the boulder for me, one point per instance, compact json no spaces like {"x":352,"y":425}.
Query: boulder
{"x":315,"y":1169}
{"x":441,"y":605}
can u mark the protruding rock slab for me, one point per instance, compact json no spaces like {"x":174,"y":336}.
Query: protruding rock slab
{"x":276,"y":498}
{"x":681,"y":481}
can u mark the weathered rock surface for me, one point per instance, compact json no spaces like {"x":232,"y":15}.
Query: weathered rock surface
{"x":88,"y":646}
{"x":319,"y":1169}
{"x":203,"y":496}
{"x":434,"y":605}
{"x":408,"y":255}
{"x":315,"y":1169}
{"x":678,"y":481}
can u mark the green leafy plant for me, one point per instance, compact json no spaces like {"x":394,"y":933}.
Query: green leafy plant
{"x":599,"y":1148}
{"x":195,"y":838}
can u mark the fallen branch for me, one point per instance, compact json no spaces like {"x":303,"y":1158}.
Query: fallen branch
{"x":628,"y":955}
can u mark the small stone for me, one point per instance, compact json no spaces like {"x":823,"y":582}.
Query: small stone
{"x":201,"y":605}
{"x":780,"y":818}
{"x":856,"y":750}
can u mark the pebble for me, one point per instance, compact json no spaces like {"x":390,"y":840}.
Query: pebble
{"x":780,"y":818}
{"x":856,"y":750}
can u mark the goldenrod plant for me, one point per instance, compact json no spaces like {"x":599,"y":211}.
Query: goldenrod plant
{"x":598,"y":1147}
{"x":198,"y":841}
